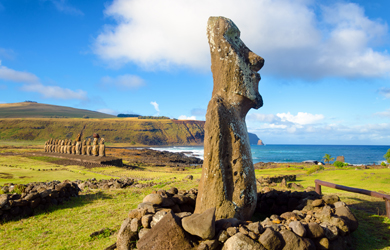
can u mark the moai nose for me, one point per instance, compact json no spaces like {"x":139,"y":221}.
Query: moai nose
{"x":256,"y":62}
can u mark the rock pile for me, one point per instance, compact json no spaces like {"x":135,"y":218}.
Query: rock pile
{"x":105,"y":184}
{"x":36,"y":195}
{"x":276,"y":179}
{"x":165,"y":220}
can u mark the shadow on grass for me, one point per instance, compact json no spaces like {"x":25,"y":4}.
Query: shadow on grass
{"x":71,"y":202}
{"x":373,"y":231}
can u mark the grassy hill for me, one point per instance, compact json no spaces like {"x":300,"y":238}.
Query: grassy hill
{"x":40,"y":122}
{"x":115,"y":130}
{"x":39,"y":110}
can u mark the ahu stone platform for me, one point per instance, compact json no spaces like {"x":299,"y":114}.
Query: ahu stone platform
{"x":103,"y":160}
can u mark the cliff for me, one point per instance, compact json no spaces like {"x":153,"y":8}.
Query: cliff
{"x":117,"y":130}
{"x":133,"y":131}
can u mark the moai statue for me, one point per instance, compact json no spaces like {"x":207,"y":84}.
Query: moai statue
{"x":56,"y":146}
{"x":84,"y":148}
{"x":74,"y":148}
{"x":45,"y":147}
{"x":95,"y":147}
{"x":228,"y":180}
{"x":69,"y":147}
{"x":62,"y":146}
{"x":89,"y":147}
{"x":66,"y":141}
{"x":78,"y":144}
{"x":102,"y":148}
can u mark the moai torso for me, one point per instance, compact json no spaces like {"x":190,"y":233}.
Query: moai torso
{"x":95,"y":147}
{"x":228,"y":180}
{"x":84,"y":148}
{"x":74,"y":147}
{"x":89,"y":148}
{"x":102,"y":148}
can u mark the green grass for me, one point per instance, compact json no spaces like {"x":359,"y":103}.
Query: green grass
{"x":68,"y":226}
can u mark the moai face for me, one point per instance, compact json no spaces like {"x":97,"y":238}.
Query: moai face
{"x":234,"y":65}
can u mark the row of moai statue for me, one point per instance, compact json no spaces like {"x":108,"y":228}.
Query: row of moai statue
{"x":76,"y":147}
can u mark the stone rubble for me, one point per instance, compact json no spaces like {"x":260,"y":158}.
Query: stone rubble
{"x":34,"y":196}
{"x":314,"y":222}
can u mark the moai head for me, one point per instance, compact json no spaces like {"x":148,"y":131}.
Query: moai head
{"x":84,"y":142}
{"x":89,"y":142}
{"x":101,"y":141}
{"x":74,"y":143}
{"x":78,"y":138}
{"x":234,"y":66}
{"x":95,"y":141}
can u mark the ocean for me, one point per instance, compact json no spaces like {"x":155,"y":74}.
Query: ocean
{"x":353,"y":154}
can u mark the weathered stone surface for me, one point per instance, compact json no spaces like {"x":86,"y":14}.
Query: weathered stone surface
{"x":146,"y":219}
{"x":317,"y":202}
{"x":340,"y":158}
{"x":165,"y":235}
{"x":157,"y":217}
{"x":331,"y":232}
{"x":346,"y":214}
{"x":270,"y":240}
{"x":142,"y":232}
{"x":202,"y":225}
{"x":322,"y":244}
{"x":222,"y":236}
{"x":255,"y":227}
{"x":155,"y":199}
{"x":293,"y":242}
{"x":102,"y":148}
{"x":330,"y":199}
{"x":298,"y":228}
{"x":148,"y":206}
{"x":135,"y":224}
{"x":289,"y":216}
{"x":228,"y":179}
{"x":208,"y":245}
{"x":242,"y":242}
{"x":314,"y":230}
{"x":231,"y":231}
{"x":3,"y":200}
{"x":126,"y":238}
{"x":95,"y":147}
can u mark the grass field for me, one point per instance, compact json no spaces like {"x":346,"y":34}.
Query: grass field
{"x":68,"y":226}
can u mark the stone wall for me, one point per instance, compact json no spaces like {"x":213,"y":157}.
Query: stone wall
{"x":296,"y":220}
{"x":36,"y":195}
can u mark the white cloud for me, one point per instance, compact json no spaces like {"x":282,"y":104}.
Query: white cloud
{"x":295,"y":41}
{"x":383,"y":113}
{"x":63,"y":6}
{"x":32,"y":84}
{"x":7,"y":53}
{"x":385,"y":92}
{"x":155,"y":105}
{"x":108,"y":111}
{"x":301,"y":118}
{"x":55,"y":92}
{"x":375,"y":134}
{"x":183,"y":117}
{"x":124,"y":81}
{"x":17,"y":76}
{"x":270,"y":118}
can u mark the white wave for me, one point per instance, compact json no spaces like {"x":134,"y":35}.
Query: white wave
{"x":197,"y":152}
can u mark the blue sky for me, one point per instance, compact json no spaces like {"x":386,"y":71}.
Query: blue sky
{"x":325,"y":79}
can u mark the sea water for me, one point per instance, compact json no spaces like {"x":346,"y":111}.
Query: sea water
{"x":353,"y":154}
